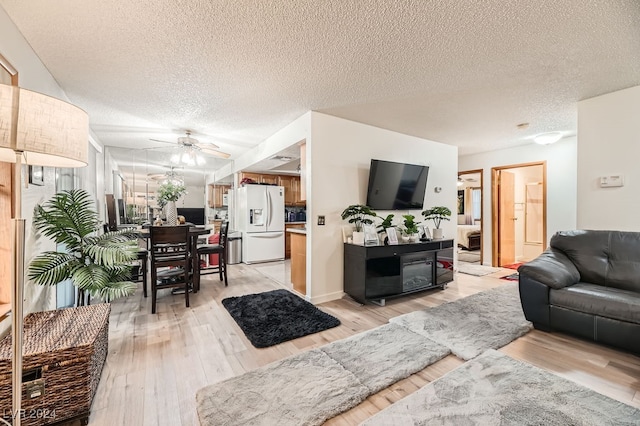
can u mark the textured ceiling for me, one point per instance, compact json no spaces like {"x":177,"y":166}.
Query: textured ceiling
{"x":459,"y":72}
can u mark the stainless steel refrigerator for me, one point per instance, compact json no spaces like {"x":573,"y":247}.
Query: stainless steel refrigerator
{"x":260,"y":218}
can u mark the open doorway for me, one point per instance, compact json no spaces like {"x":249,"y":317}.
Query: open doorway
{"x":469,"y":216}
{"x":519,"y":219}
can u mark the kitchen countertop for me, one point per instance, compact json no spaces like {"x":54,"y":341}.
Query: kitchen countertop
{"x":302,"y":231}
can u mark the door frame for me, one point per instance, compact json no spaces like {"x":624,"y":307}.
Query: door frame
{"x":495,"y":207}
{"x":482,"y":217}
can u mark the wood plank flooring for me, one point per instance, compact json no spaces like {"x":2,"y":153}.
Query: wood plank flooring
{"x":156,"y":363}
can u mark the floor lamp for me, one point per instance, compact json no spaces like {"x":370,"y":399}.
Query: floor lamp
{"x":38,"y":130}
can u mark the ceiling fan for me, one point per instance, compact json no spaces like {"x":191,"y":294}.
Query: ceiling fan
{"x":191,"y":147}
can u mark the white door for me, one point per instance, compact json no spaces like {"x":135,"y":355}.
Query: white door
{"x":256,"y":208}
{"x":262,"y":247}
{"x":275,"y":202}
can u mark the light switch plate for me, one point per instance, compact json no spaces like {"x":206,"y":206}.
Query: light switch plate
{"x":320,"y":220}
{"x":611,"y":181}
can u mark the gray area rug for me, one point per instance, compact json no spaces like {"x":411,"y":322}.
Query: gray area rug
{"x":469,"y":326}
{"x":314,"y":386}
{"x":384,"y":355}
{"x":469,"y":256}
{"x":476,"y":269}
{"x":494,"y":389}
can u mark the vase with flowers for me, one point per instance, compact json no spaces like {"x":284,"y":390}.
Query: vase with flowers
{"x":168,"y":194}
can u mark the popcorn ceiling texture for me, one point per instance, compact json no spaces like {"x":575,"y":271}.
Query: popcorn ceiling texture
{"x":464,"y":73}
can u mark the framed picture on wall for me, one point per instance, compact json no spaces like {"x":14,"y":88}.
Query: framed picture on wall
{"x":36,"y":175}
{"x":461,"y":201}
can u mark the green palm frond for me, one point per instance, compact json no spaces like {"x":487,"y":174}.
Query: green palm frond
{"x":109,"y":250}
{"x":50,"y":267}
{"x":114,"y":290}
{"x":90,"y":276}
{"x":67,"y":217}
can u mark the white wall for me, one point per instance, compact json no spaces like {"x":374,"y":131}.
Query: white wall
{"x":609,"y":135}
{"x":338,"y":158}
{"x":561,"y":159}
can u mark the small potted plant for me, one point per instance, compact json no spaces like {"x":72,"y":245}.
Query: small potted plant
{"x":386,"y":223}
{"x":437,"y":215}
{"x":168,"y":193}
{"x":410,"y":226}
{"x":358,"y":216}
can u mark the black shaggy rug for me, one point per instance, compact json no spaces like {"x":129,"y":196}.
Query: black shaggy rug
{"x":276,"y":316}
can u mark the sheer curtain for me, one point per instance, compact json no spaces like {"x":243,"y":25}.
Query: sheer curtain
{"x":476,"y":205}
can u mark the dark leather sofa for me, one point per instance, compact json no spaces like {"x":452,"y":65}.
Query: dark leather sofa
{"x":587,"y":283}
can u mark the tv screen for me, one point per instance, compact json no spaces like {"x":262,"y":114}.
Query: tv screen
{"x":192,"y":215}
{"x":396,"y":186}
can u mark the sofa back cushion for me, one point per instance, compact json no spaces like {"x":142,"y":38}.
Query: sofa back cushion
{"x":609,"y":258}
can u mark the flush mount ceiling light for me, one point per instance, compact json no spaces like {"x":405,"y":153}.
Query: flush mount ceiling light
{"x":547,"y":138}
{"x":460,"y":181}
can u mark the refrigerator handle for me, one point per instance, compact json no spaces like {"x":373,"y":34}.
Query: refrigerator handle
{"x":269,"y":211}
{"x":251,"y":216}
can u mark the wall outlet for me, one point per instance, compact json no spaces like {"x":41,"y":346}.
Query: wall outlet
{"x":321,"y":220}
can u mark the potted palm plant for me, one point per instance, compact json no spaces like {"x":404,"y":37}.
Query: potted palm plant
{"x":437,"y":215}
{"x":168,"y":193}
{"x":358,"y":215}
{"x":97,"y":264}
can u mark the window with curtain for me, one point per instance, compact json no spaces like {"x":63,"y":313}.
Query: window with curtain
{"x":476,"y":204}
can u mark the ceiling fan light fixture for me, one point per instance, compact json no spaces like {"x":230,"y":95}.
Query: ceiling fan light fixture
{"x":547,"y":138}
{"x":460,"y":181}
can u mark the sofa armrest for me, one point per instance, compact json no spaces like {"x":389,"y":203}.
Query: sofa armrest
{"x":552,"y":268}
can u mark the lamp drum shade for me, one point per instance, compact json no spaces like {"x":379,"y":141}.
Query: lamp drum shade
{"x":49,"y":132}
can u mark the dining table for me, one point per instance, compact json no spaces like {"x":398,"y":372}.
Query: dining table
{"x":195,"y":232}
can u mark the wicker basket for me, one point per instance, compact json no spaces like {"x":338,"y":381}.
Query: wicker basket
{"x":65,"y":349}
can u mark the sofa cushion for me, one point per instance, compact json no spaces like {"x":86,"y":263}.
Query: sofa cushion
{"x":598,"y":300}
{"x":609,"y":258}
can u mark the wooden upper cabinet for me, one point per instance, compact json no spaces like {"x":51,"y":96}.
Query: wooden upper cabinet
{"x":291,"y":184}
{"x":260,"y":178}
{"x":270,"y":179}
{"x":216,"y":195}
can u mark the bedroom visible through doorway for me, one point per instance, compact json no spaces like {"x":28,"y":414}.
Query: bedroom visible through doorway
{"x":469,"y":216}
{"x":519,"y":222}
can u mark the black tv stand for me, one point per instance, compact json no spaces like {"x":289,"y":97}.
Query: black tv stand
{"x":374,"y":273}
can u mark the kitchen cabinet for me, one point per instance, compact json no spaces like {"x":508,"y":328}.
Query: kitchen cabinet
{"x":287,"y":237}
{"x":216,"y":195}
{"x":291,"y":186}
{"x":299,"y":262}
{"x":260,"y":178}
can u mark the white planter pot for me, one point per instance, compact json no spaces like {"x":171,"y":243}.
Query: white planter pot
{"x":358,"y":237}
{"x":437,"y":233}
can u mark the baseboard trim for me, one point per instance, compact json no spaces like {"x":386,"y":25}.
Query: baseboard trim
{"x":326,"y":297}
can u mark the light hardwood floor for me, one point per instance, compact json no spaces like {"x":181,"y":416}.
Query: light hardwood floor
{"x":156,"y":363}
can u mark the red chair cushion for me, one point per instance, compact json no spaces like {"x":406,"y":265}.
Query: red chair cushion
{"x":213,"y":258}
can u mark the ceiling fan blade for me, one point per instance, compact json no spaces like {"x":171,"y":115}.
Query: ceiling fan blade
{"x":205,"y":145}
{"x":215,"y":153}
{"x":157,"y":140}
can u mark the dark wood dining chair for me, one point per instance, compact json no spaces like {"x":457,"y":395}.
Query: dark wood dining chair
{"x":221,"y":250}
{"x":169,"y":249}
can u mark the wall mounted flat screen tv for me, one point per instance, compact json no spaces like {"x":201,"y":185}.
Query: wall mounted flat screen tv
{"x":396,"y":186}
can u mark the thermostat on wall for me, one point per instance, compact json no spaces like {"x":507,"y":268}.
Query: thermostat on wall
{"x":611,"y":181}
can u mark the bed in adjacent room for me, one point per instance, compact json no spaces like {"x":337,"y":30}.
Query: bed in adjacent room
{"x":469,"y":237}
